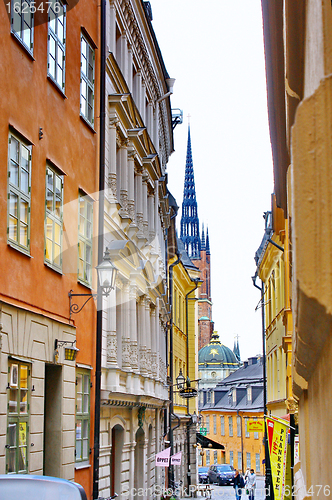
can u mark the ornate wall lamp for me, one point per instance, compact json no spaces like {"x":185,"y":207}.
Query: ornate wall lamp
{"x":106,"y":278}
{"x":70,"y":350}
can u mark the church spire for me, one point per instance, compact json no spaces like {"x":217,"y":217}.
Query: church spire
{"x":207,"y":242}
{"x":189,"y":220}
{"x":203,"y":239}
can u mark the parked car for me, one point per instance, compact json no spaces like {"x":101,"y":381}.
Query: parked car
{"x":14,"y":486}
{"x":222,"y":474}
{"x":203,"y":475}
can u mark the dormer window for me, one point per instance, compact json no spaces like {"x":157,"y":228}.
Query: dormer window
{"x":249,"y":394}
{"x":234,"y":396}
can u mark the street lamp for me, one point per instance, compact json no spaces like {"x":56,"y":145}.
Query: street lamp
{"x":70,"y":350}
{"x":180,"y":380}
{"x":106,"y":280}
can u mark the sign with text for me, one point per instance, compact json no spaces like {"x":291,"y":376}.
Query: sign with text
{"x":255,"y":426}
{"x":277,"y":436}
{"x":162,"y":458}
{"x":176,"y":459}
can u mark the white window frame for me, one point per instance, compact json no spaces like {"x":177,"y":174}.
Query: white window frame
{"x":15,"y":190}
{"x":22,"y":22}
{"x":82,"y":442}
{"x":231,"y":458}
{"x":54,"y":33}
{"x":86,"y":83}
{"x":239,"y":426}
{"x":85,"y":241}
{"x":230,"y":426}
{"x":222,"y":425}
{"x":258,"y":463}
{"x":54,"y":216}
{"x":248,"y":460}
{"x":247,"y":433}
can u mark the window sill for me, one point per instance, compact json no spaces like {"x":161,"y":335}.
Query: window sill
{"x":25,"y":251}
{"x":82,"y":465}
{"x":56,"y":86}
{"x":87,"y":123}
{"x":85,"y":284}
{"x":53,"y":268}
{"x":22,"y":45}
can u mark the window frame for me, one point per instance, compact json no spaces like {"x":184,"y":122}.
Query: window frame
{"x":21,"y":15}
{"x":58,"y":43}
{"x":17,"y":418}
{"x":247,"y":433}
{"x":85,"y":241}
{"x":51,"y":214}
{"x":85,"y":80}
{"x":222,"y":425}
{"x":16,"y":190}
{"x":82,"y":416}
{"x":239,"y":426}
{"x":230,"y":426}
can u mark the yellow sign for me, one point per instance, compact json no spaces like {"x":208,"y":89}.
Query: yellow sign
{"x":255,"y":426}
{"x":277,"y":436}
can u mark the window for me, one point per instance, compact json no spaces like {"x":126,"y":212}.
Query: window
{"x":82,"y":449}
{"x":246,"y":420}
{"x":249,"y":394}
{"x":19,"y":188}
{"x":248,"y":460}
{"x":238,"y":425}
{"x":56,"y":43}
{"x":53,"y":218}
{"x":87,"y":79}
{"x":256,"y":436}
{"x":230,"y":426}
{"x":207,"y":425}
{"x":222,"y":425}
{"x":258,"y":463}
{"x":207,"y":457}
{"x":214,"y":424}
{"x":22,"y":22}
{"x":234,"y":396}
{"x":215,"y":457}
{"x":231,"y":458}
{"x":18,"y":418}
{"x":239,"y":460}
{"x":85,"y":240}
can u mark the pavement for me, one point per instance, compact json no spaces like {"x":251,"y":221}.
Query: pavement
{"x":228,"y":492}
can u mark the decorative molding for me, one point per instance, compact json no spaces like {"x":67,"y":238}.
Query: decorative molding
{"x":112,"y":348}
{"x":126,"y":353}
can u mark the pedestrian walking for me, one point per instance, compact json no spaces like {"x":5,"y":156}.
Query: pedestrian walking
{"x":251,"y":484}
{"x":238,"y":485}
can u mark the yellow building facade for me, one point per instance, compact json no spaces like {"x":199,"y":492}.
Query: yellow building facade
{"x":183,"y":348}
{"x":298,"y":50}
{"x":270,"y":259}
{"x":242,"y":448}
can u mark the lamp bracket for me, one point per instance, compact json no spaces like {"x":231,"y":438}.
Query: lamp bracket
{"x":75,"y":308}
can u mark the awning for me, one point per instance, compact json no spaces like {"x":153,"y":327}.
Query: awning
{"x":208,"y":443}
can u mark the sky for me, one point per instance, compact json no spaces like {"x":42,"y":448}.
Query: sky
{"x":214,"y":49}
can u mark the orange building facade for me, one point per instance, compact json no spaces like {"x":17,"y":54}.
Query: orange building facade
{"x":48,"y":192}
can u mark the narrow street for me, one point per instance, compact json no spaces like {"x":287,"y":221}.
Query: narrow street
{"x":228,"y":492}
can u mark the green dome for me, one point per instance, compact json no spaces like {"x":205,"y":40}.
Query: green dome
{"x":216,"y":353}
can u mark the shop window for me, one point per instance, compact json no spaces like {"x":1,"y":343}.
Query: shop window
{"x":17,"y":418}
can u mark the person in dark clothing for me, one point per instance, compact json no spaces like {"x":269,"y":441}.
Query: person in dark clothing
{"x":238,"y":485}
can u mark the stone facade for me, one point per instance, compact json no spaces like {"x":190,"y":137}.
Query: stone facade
{"x":138,"y":144}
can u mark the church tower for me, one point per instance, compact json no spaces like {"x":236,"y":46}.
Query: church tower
{"x":198,"y":250}
{"x":189,"y":220}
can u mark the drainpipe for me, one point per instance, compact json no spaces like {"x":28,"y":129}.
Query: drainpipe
{"x":268,"y":473}
{"x":102,"y":122}
{"x":171,"y":374}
